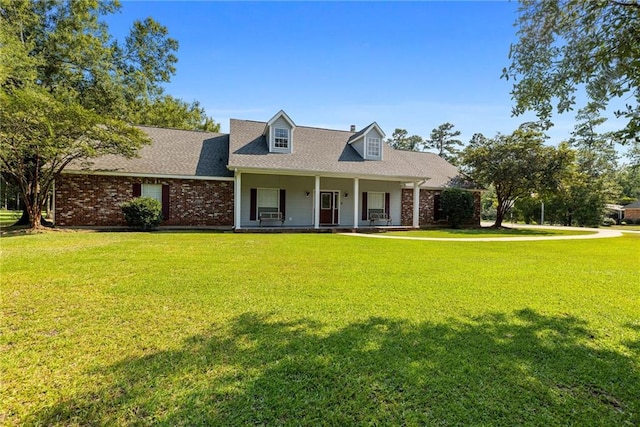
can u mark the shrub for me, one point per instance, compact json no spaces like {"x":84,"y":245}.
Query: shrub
{"x":457,"y":206}
{"x":608,"y":221}
{"x":142,"y":213}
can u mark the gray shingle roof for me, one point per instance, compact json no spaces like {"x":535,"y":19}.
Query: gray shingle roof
{"x":634,"y":205}
{"x":328,"y":151}
{"x":206,"y":154}
{"x":172,"y":152}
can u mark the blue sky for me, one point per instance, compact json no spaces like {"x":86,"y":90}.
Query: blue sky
{"x":411,"y":65}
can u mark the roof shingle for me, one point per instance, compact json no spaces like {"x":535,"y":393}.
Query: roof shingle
{"x":328,"y":151}
{"x":171,"y":152}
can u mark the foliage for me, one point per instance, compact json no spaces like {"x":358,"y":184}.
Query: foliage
{"x":40,"y":136}
{"x":400,"y":141}
{"x":488,"y":204}
{"x":443,"y":140}
{"x":528,"y":209}
{"x":169,"y":112}
{"x":516,"y":165}
{"x":590,"y":181}
{"x":198,"y":329}
{"x":608,"y":221}
{"x":143,"y":213}
{"x":566,"y":45}
{"x":628,"y":177}
{"x":457,"y":205}
{"x":68,"y":91}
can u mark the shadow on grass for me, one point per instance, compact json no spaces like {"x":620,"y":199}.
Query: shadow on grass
{"x":522,"y":368}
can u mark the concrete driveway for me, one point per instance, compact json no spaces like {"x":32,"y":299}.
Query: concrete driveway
{"x":594,"y":233}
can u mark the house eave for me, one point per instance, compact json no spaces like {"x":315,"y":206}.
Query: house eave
{"x":325,"y":174}
{"x":146,"y":175}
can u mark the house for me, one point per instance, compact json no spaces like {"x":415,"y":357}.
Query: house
{"x":632,"y":211}
{"x":272,"y":173}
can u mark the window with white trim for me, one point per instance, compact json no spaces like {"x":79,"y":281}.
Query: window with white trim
{"x":375,"y":202}
{"x":373,"y":147}
{"x":281,"y":138}
{"x":268,"y":200}
{"x":152,"y":190}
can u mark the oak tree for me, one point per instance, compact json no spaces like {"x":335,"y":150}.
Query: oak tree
{"x":516,"y":165}
{"x":568,"y":45}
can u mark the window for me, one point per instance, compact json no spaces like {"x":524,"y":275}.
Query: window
{"x":373,"y":147}
{"x":325,"y":201}
{"x":375,"y":202}
{"x":268,"y":200}
{"x":281,"y":138}
{"x":152,"y":190}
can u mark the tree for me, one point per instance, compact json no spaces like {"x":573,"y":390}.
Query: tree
{"x":590,"y":182}
{"x":40,"y":136}
{"x":443,"y":140}
{"x":516,"y":165}
{"x":400,"y":141}
{"x":167,"y":111}
{"x":567,"y":45}
{"x":68,"y":90}
{"x":457,"y":205}
{"x":628,"y":178}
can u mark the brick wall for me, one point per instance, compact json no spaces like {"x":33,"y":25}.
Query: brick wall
{"x":632,"y":213}
{"x":92,"y":200}
{"x":426,"y":206}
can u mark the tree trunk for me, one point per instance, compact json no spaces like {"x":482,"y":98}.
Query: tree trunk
{"x":38,"y":220}
{"x":499,"y":218}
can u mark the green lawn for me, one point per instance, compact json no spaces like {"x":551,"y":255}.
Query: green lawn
{"x":488,"y":232}
{"x":8,"y":218}
{"x":303,"y":329}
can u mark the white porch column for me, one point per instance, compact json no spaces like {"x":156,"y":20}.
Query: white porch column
{"x":356,"y":200}
{"x":316,"y":203}
{"x":416,"y":204}
{"x":237,"y":195}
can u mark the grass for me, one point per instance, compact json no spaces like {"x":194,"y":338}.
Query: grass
{"x":488,"y":232}
{"x":8,"y":218}
{"x":246,"y":329}
{"x":626,"y":227}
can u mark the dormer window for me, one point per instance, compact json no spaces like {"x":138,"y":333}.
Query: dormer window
{"x":279,"y":133}
{"x":281,"y":138}
{"x":373,"y":147}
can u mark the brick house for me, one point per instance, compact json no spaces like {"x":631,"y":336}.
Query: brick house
{"x":632,"y":211}
{"x":264,"y":174}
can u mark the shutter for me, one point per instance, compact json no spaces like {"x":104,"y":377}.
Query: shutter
{"x":283,"y":203}
{"x":253,"y":204}
{"x":387,"y":203}
{"x":165,"y":202}
{"x":364,"y":206}
{"x":436,"y":207}
{"x":137,"y":190}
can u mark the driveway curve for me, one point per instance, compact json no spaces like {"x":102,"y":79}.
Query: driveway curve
{"x":594,"y":233}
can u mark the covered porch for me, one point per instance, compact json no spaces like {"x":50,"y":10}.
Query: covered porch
{"x":275,"y":202}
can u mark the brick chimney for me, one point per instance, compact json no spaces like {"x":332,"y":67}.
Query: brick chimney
{"x":353,"y":128}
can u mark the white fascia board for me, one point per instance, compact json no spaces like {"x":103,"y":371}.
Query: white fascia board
{"x":147,"y":175}
{"x":294,"y":172}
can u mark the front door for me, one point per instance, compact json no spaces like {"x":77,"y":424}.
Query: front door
{"x":329,"y":201}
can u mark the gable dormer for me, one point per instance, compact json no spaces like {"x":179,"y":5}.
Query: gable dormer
{"x":279,"y":133}
{"x":369,"y":142}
